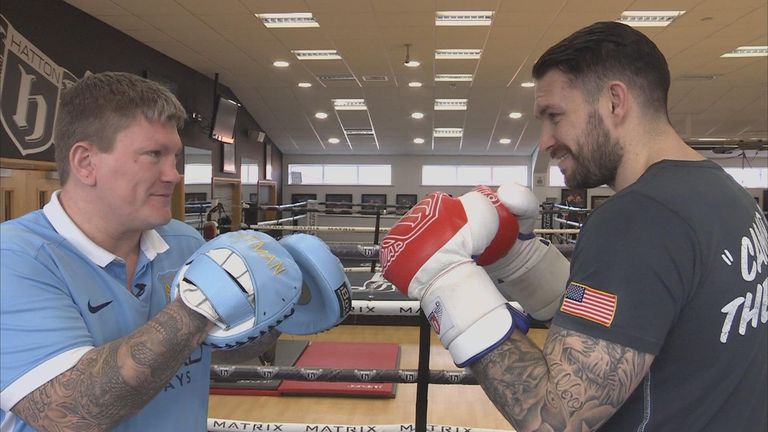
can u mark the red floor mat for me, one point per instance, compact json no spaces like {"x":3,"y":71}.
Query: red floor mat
{"x":345,"y":355}
{"x":286,"y":354}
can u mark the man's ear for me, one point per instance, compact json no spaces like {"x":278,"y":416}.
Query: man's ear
{"x":82,"y":162}
{"x":619,"y":98}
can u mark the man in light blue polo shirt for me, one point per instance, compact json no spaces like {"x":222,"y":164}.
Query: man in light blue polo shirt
{"x":89,"y":339}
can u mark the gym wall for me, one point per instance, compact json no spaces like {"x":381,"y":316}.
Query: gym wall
{"x":47,"y":43}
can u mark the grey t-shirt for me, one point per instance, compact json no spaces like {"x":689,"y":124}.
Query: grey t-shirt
{"x":679,"y":260}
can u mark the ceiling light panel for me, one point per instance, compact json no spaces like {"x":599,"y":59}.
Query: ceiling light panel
{"x":457,"y":54}
{"x":336,"y":77}
{"x":453,"y":77}
{"x":450,"y":104}
{"x":349,"y":105}
{"x":288,"y":20}
{"x":649,"y":18}
{"x":358,"y":132}
{"x":463,"y":18}
{"x":748,"y":51}
{"x":448,"y":132}
{"x":316,"y":54}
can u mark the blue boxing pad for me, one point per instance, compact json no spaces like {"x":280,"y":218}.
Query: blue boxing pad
{"x":327,"y":297}
{"x":243,"y":281}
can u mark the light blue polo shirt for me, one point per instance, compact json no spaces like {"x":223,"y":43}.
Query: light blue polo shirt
{"x":62,"y":295}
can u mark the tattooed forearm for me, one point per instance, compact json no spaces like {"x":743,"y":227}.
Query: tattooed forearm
{"x":114,"y":381}
{"x":575,"y":384}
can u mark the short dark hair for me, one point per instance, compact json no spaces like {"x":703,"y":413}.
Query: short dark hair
{"x":610,"y":50}
{"x":99,"y":106}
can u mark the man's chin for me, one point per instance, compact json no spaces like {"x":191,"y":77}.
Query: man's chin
{"x":160,"y":219}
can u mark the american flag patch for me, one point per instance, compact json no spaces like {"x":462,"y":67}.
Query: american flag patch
{"x":589,"y":303}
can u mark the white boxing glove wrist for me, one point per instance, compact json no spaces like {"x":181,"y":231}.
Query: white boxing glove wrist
{"x":534,"y":273}
{"x":468,"y":313}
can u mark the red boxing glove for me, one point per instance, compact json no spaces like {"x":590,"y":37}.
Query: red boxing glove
{"x":428,"y":255}
{"x":507,"y":231}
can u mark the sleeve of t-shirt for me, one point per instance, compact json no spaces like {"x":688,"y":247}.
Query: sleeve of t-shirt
{"x":42,"y":333}
{"x":631,"y":272}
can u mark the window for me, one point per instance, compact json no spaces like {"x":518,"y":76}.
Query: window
{"x":338,"y":174}
{"x":749,"y":177}
{"x":249,"y":173}
{"x":198,"y":173}
{"x":471,"y":175}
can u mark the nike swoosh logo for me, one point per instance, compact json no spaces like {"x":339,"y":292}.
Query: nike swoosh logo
{"x":93,"y":309}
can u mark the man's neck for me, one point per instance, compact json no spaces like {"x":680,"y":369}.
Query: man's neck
{"x":94,"y":222}
{"x":640,"y":153}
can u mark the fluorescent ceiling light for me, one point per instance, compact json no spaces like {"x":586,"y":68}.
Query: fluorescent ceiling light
{"x":527,"y":84}
{"x":304,"y":84}
{"x":358,"y":131}
{"x":463,"y":18}
{"x":333,"y":140}
{"x":316,"y":54}
{"x":349,"y":105}
{"x":417,"y":115}
{"x":450,"y":104}
{"x":280,"y":63}
{"x":418,"y":140}
{"x":505,"y":141}
{"x":748,"y":51}
{"x":448,"y":132}
{"x":649,"y":18}
{"x":288,"y":20}
{"x":453,"y":77}
{"x":321,"y":115}
{"x":711,"y":139}
{"x":515,"y":115}
{"x":458,"y":53}
{"x":414,"y":84}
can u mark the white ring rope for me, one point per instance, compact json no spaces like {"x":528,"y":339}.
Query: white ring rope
{"x":360,"y":269}
{"x":225,"y":425}
{"x":567,"y":222}
{"x":386,"y":307}
{"x":277,"y":221}
{"x":381,"y":230}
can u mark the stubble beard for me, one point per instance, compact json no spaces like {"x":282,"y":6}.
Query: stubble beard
{"x":596,"y":156}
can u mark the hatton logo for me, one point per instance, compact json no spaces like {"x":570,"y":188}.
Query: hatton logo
{"x":31,"y":84}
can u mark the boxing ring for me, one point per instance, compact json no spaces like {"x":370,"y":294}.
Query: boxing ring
{"x":374,"y":302}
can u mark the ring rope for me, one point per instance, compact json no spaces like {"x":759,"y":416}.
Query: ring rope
{"x":386,"y":307}
{"x":278,"y":221}
{"x":226,"y":425}
{"x":223,"y":372}
{"x":381,"y":230}
{"x":567,"y":222}
{"x":572,"y":209}
{"x":359,"y":269}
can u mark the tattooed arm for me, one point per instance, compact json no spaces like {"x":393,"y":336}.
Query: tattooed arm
{"x":115,"y":380}
{"x":575,"y":384}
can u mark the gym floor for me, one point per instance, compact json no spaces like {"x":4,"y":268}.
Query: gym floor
{"x":453,"y":405}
